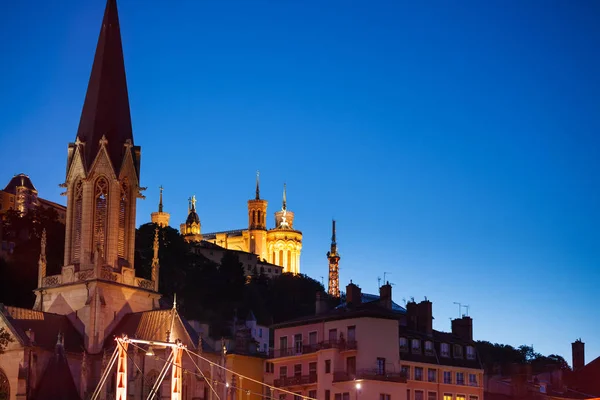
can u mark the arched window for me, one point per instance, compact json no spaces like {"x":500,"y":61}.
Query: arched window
{"x":281,"y":258}
{"x":149,"y":381}
{"x":273,"y":259}
{"x":76,"y":221}
{"x":121,"y":247}
{"x":259,"y":222}
{"x":4,"y":386}
{"x":289,"y":261}
{"x":100,"y":215}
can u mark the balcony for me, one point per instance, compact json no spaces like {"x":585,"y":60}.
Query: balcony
{"x":369,"y":374}
{"x":298,"y":380}
{"x":342,"y":345}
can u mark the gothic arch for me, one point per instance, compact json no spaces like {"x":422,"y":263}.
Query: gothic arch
{"x":76,"y":216}
{"x":4,"y":386}
{"x":101,"y":193}
{"x":123,"y":219}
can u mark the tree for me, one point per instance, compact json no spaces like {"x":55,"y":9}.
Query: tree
{"x":5,"y":339}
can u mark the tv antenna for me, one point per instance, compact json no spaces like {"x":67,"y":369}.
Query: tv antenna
{"x":459,"y":308}
{"x":467,"y":308}
{"x":322,"y":282}
{"x":384,"y":274}
{"x":378,"y":281}
{"x":404,"y":301}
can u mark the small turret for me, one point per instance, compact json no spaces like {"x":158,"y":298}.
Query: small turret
{"x":334,"y":259}
{"x":160,"y":217}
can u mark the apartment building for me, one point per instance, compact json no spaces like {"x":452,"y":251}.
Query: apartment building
{"x":370,"y":348}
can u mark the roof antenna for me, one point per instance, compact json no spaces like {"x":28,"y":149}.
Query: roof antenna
{"x":379,"y":281}
{"x":384,"y":274}
{"x":459,"y":308}
{"x":467,"y":308}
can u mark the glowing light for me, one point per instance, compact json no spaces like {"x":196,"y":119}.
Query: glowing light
{"x":358,"y":385}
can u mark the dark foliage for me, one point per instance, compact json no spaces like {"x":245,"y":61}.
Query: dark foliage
{"x":19,"y":272}
{"x":499,"y":358}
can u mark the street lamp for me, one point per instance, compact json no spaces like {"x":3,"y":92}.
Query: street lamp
{"x":357,"y":386}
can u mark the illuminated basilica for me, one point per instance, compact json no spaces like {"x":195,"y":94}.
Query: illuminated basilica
{"x":280,"y":245}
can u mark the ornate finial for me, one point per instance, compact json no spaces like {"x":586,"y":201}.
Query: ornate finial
{"x":43,"y":244}
{"x":160,"y":204}
{"x":155,"y":261}
{"x":174,"y":301}
{"x":78,"y":142}
{"x":103,"y":142}
{"x":284,"y":207}
{"x":194,"y":203}
{"x":257,"y":185}
{"x":42,"y":259}
{"x":128,"y":144}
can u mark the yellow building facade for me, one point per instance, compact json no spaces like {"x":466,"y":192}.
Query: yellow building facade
{"x":280,"y":245}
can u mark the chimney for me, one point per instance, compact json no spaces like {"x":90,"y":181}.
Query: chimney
{"x":321,"y":305}
{"x":411,"y":314}
{"x":425,"y":317}
{"x":463,"y":328}
{"x":385,"y":295}
{"x":578,"y":348}
{"x":353,"y":294}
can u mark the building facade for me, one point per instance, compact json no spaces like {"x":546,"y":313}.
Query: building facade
{"x":21,"y":195}
{"x":359,"y":350}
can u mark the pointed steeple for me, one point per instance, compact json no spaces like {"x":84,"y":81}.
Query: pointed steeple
{"x":105,"y":116}
{"x":257,"y":185}
{"x":333,"y":243}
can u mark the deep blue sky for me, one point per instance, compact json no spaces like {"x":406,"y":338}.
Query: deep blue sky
{"x":456,"y":143}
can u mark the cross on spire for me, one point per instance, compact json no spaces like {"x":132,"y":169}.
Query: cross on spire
{"x":257,"y":185}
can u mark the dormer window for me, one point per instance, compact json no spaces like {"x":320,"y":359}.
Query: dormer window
{"x":470,"y":353}
{"x":416,"y":346}
{"x":429,"y":347}
{"x":403,"y":344}
{"x":458,"y":351}
{"x":445,"y":350}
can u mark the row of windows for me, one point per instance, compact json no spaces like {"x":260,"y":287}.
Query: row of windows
{"x":420,"y":395}
{"x":415,"y":348}
{"x":312,"y":338}
{"x":432,"y":376}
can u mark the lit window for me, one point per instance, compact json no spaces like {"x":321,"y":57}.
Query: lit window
{"x":460,"y":397}
{"x":445,"y":350}
{"x":447,"y":396}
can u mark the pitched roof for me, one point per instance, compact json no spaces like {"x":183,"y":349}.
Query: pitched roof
{"x":45,"y":327}
{"x":19,"y":180}
{"x":153,"y":325}
{"x":586,"y":379}
{"x":57,"y":382}
{"x":106,"y":107}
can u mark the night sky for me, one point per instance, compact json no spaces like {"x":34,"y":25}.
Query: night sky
{"x":456,"y":143}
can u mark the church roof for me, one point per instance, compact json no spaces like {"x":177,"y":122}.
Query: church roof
{"x":153,"y":325}
{"x":106,"y":107}
{"x":19,"y":180}
{"x":57,"y":382}
{"x":192,"y":218}
{"x":231,"y":233}
{"x":45,"y":327}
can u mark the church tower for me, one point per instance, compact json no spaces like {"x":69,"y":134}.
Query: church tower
{"x":97,"y":284}
{"x":284,"y":242}
{"x":160,"y":217}
{"x":257,"y":224}
{"x":334,"y":269}
{"x":191,"y":229}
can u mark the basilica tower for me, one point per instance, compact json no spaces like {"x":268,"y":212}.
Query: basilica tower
{"x":334,"y":269}
{"x":97,"y":284}
{"x":160,"y":217}
{"x":284,"y":242}
{"x":257,"y":224}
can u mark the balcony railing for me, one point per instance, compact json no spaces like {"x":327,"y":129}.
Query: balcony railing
{"x":297,"y":380}
{"x":369,"y":374}
{"x":342,"y":345}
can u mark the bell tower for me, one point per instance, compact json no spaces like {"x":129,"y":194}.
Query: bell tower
{"x":97,"y":284}
{"x":334,"y":269}
{"x":257,"y":223}
{"x":160,"y":217}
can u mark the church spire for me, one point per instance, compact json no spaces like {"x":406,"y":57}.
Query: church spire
{"x":42,"y":259}
{"x":155,"y":261}
{"x":105,"y":116}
